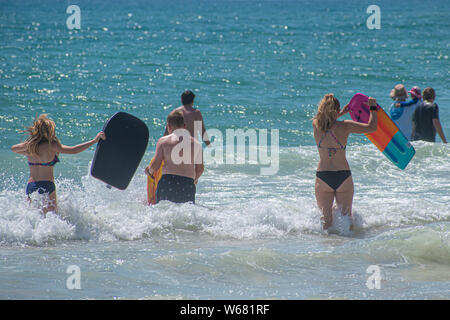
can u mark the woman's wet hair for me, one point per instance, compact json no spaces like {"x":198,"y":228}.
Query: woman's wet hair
{"x":327,"y":112}
{"x":42,"y":130}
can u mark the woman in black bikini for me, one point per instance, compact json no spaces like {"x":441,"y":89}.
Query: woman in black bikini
{"x":42,"y":148}
{"x":333,"y":176}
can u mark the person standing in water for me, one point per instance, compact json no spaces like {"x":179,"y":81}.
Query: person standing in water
{"x":401,"y":111}
{"x":333,"y":176}
{"x":183,"y":162}
{"x":426,"y":119}
{"x":42,"y":148}
{"x":192,"y":117}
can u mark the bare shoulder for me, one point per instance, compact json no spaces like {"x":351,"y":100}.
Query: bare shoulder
{"x":180,"y":108}
{"x":55,"y":146}
{"x":342,"y":126}
{"x":195,"y":114}
{"x":163,"y":140}
{"x":340,"y":123}
{"x":347,"y":123}
{"x":198,"y":113}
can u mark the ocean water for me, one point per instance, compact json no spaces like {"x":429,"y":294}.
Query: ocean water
{"x":253,"y":65}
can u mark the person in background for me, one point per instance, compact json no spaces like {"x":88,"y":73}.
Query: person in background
{"x":192,"y":117}
{"x":401,"y":111}
{"x":333,"y":176}
{"x":42,"y":148}
{"x":415,"y":97}
{"x":426,"y":119}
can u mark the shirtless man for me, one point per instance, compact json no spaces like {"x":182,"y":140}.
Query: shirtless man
{"x":183,"y":162}
{"x":192,"y":117}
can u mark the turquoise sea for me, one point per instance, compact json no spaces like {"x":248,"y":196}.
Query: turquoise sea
{"x":253,"y":64}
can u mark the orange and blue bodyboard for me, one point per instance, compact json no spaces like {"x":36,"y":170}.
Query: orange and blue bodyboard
{"x":387,"y":138}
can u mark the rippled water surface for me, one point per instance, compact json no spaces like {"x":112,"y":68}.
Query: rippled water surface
{"x":252,"y":65}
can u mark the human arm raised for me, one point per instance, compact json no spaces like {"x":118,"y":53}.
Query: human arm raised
{"x":406,"y":103}
{"x":371,"y":126}
{"x":343,"y":111}
{"x":20,"y":148}
{"x":79,"y":147}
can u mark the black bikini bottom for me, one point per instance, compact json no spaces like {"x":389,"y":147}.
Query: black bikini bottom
{"x":334,"y":178}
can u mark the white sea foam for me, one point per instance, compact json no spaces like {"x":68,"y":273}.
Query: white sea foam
{"x":234,"y":202}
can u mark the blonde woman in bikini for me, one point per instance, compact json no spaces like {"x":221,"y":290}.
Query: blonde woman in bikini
{"x":42,"y":148}
{"x":333,"y":176}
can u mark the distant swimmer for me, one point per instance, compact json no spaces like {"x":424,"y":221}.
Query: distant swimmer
{"x":183,"y":162}
{"x":333,"y":175}
{"x":42,"y":148}
{"x":426,"y":119}
{"x":401,"y":110}
{"x":192,"y":117}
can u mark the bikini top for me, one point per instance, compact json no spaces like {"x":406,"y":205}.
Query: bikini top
{"x":331,"y":151}
{"x":46,"y":164}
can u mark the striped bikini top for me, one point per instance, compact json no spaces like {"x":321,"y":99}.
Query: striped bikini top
{"x":331,"y":151}
{"x":45,"y":164}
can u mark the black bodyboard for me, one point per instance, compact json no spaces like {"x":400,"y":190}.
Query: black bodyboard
{"x":117,"y":158}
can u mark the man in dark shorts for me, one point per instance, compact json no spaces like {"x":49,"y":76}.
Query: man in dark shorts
{"x":183,"y":162}
{"x":426,"y":119}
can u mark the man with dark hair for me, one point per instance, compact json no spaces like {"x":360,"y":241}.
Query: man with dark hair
{"x":192,"y":117}
{"x":187,"y":98}
{"x":426,"y":119}
{"x":183,"y":162}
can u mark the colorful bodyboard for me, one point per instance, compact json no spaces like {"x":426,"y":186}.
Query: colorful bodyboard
{"x":152,"y":184}
{"x":387,"y":138}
